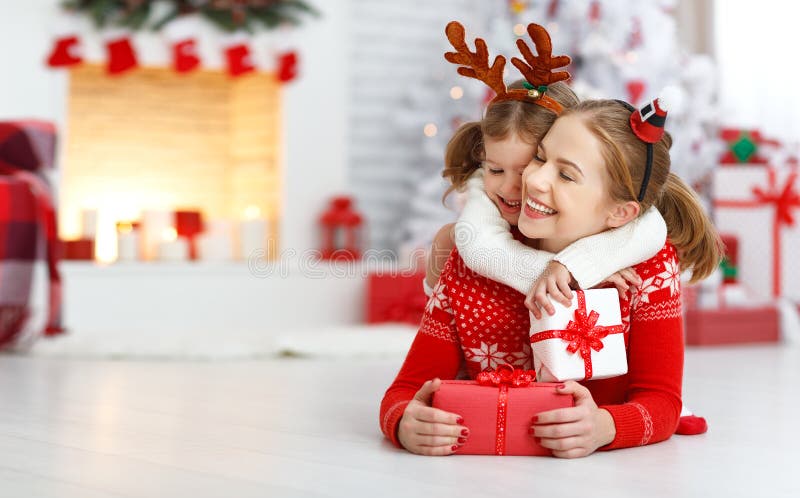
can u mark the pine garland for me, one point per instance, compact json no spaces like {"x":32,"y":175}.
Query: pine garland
{"x":227,"y":15}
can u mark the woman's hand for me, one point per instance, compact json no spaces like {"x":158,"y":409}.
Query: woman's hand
{"x":574,"y":432}
{"x":555,"y":281}
{"x":425,"y":430}
{"x":624,"y":280}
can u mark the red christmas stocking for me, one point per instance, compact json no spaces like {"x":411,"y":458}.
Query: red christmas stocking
{"x":121,"y":56}
{"x":239,"y":60}
{"x":65,"y":52}
{"x":184,"y":56}
{"x":287,"y":66}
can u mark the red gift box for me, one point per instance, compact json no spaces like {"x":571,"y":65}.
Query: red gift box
{"x":743,"y":146}
{"x":706,"y":327}
{"x":77,"y":250}
{"x":396,"y":298}
{"x":498,"y":408}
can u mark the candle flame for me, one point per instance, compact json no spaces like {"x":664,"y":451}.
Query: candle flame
{"x":169,"y":234}
{"x":252,"y":212}
{"x":124,"y":227}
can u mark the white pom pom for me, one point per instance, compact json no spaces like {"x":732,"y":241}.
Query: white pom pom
{"x":671,"y":99}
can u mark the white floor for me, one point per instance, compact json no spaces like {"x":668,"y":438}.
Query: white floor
{"x":299,"y":427}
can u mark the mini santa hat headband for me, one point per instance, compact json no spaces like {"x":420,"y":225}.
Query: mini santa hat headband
{"x":647,"y":123}
{"x":537,"y":69}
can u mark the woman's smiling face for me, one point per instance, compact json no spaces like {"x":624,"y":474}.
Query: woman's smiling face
{"x":564,"y":193}
{"x":504,"y":161}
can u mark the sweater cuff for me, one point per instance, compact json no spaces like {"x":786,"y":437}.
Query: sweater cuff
{"x":391,"y":421}
{"x":583,"y":269}
{"x":630,"y":424}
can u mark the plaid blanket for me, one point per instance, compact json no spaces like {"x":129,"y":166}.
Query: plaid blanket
{"x":30,"y":284}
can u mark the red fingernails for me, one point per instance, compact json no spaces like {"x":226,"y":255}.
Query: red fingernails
{"x":460,"y":420}
{"x":462,"y":440}
{"x":454,"y":447}
{"x":561,"y":386}
{"x":531,"y":431}
{"x":465,"y":432}
{"x":535,"y":419}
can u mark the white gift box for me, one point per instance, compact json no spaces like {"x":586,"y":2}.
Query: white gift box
{"x":584,"y":341}
{"x":760,"y":205}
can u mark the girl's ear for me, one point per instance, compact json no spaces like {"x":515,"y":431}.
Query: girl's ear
{"x":622,"y":213}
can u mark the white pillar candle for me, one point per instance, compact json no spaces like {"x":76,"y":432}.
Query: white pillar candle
{"x":89,"y":224}
{"x":154,"y":223}
{"x":214,"y":247}
{"x":171,"y":247}
{"x":128,"y":246}
{"x":252,"y":234}
{"x":252,"y":238}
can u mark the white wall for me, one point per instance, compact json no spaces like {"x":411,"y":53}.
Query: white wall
{"x":315,"y":106}
{"x":758,"y":72}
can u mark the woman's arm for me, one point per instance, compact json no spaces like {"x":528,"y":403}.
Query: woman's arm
{"x":435,"y":353}
{"x":655,"y":358}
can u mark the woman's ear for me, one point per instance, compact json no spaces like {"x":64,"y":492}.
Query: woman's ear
{"x":622,"y":213}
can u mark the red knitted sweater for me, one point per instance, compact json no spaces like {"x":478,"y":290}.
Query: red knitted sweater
{"x":472,"y":324}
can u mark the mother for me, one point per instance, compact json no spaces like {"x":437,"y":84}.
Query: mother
{"x":472,"y":324}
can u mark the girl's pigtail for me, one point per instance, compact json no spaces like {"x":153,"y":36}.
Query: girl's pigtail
{"x":463,"y":155}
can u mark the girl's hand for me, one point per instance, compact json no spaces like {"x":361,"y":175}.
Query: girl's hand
{"x":556,"y":282}
{"x":425,"y":430}
{"x":624,"y":280}
{"x":574,"y":432}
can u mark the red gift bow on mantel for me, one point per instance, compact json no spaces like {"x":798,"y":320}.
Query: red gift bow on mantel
{"x":504,"y":376}
{"x":582,"y":334}
{"x":784,"y":199}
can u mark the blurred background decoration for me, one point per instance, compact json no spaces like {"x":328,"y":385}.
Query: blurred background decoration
{"x":201,"y":143}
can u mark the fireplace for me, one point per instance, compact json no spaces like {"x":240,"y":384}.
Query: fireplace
{"x":157,"y":140}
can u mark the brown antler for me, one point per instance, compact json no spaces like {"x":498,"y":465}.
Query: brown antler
{"x":539,"y":70}
{"x":476,"y":63}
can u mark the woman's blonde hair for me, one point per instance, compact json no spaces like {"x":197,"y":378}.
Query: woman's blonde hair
{"x":465,"y":153}
{"x":688,"y":226}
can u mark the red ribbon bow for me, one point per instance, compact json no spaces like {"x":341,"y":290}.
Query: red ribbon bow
{"x":582,"y":334}
{"x":784,"y":199}
{"x":506,"y":375}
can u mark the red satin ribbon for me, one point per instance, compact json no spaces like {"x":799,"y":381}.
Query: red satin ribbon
{"x":504,"y":376}
{"x":784,"y":199}
{"x":582,"y":334}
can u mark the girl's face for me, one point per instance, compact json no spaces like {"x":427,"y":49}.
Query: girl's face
{"x":505,"y":160}
{"x":564,"y":189}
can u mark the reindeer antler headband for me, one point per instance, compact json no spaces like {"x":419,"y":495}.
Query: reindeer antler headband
{"x":537,"y":69}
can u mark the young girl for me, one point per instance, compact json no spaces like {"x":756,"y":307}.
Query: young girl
{"x":473,"y":323}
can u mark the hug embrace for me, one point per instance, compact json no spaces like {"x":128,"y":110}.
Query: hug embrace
{"x":562,"y":195}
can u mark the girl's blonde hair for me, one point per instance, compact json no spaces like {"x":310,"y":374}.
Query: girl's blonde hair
{"x":688,"y":227}
{"x":465,"y":153}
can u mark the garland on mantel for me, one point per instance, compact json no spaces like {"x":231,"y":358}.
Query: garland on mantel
{"x":171,"y":17}
{"x":227,"y":15}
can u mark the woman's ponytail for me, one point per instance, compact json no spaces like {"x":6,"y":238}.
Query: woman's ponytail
{"x":689,"y":228}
